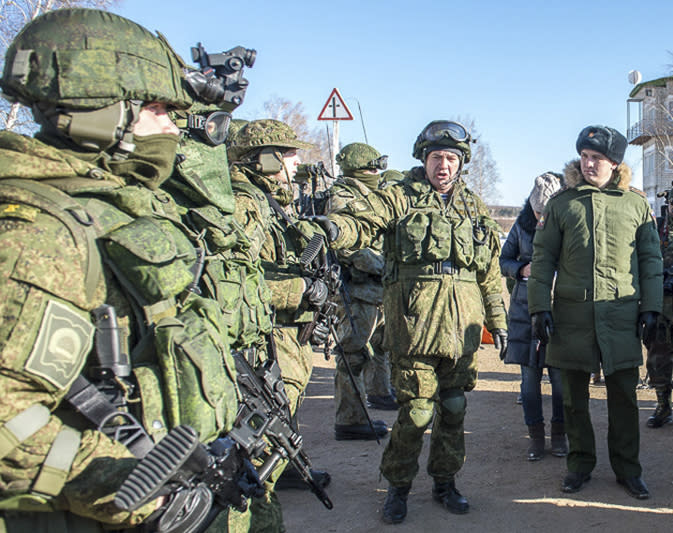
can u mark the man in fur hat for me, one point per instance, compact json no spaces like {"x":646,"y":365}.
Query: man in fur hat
{"x":599,"y":235}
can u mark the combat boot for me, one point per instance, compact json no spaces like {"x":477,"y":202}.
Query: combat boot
{"x":559,"y":444}
{"x":536,"y":448}
{"x":662,"y":413}
{"x":395,"y":506}
{"x":452,"y":500}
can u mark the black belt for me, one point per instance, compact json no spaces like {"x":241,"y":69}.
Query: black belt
{"x":445,"y":267}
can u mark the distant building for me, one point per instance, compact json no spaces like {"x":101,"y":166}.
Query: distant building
{"x":650,"y":125}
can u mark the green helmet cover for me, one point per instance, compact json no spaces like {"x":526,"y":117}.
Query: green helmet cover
{"x":88,"y":59}
{"x":356,"y":156}
{"x":422,"y":143}
{"x":263,"y":133}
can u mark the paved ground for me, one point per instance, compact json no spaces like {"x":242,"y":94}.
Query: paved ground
{"x":506,"y":492}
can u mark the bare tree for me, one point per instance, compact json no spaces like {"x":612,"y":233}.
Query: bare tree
{"x":482,"y":172}
{"x":14,"y":14}
{"x":295,"y":116}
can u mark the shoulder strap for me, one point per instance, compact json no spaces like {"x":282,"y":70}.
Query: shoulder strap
{"x":67,"y":210}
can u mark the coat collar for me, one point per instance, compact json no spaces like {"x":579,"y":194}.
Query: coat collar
{"x":621,"y":177}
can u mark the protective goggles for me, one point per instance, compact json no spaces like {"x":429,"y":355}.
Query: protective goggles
{"x":443,"y":129}
{"x":380,"y":163}
{"x":212,"y":128}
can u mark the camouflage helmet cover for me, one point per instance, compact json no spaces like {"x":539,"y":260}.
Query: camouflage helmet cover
{"x":423,"y":141}
{"x":261,"y":134}
{"x":356,"y":156}
{"x":88,"y":59}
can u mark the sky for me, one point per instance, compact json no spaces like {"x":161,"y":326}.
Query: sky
{"x":531,"y":74}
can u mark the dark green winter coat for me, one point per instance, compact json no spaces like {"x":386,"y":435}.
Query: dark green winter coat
{"x":604,"y":245}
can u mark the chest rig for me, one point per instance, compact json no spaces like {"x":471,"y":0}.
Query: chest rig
{"x":437,"y":237}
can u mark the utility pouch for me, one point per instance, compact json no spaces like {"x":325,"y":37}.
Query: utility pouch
{"x":158,"y":267}
{"x":463,"y":243}
{"x":410,"y":236}
{"x":438,"y":245}
{"x":197,"y":369}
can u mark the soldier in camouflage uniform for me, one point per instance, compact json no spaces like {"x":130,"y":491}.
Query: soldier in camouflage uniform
{"x":231,"y":274}
{"x":362,"y":270}
{"x":441,"y":283}
{"x":264,"y":160}
{"x":83,"y":223}
{"x":660,"y":351}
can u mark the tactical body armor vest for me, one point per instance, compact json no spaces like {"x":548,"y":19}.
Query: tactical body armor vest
{"x":183,"y":370}
{"x":436,"y":238}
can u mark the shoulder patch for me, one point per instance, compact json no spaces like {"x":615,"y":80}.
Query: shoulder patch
{"x":63,"y":341}
{"x":541,"y":222}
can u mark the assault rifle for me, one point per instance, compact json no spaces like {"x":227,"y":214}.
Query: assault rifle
{"x":320,"y":263}
{"x":264,"y":412}
{"x":203,"y":480}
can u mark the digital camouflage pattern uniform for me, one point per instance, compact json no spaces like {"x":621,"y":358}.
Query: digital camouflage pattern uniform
{"x":362,"y":270}
{"x":232,"y":275}
{"x":440,"y":287}
{"x":79,"y":229}
{"x":279,"y":248}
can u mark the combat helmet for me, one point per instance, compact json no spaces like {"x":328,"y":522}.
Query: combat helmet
{"x":360,"y":156}
{"x":443,"y":135}
{"x":256,"y":135}
{"x":86,"y":72}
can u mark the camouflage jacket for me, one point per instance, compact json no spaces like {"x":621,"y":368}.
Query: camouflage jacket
{"x":442,"y":278}
{"x":74,"y":237}
{"x":232,"y":272}
{"x":363,"y":269}
{"x":277,"y":244}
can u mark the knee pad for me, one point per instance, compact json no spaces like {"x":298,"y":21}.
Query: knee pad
{"x":452,"y":404}
{"x":420,"y":412}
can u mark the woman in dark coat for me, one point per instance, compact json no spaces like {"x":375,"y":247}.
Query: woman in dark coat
{"x":523,"y":349}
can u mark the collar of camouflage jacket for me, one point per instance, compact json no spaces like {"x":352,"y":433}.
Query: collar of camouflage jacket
{"x":28,"y":158}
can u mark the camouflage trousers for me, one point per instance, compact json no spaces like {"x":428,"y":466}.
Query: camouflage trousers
{"x":376,"y":373}
{"x":428,"y":388}
{"x":295,"y":361}
{"x":356,"y":345}
{"x":659,"y":361}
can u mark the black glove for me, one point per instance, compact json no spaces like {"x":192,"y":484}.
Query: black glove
{"x":315,"y":293}
{"x":329,"y":227}
{"x":543,"y":326}
{"x":500,"y":341}
{"x":320,"y":334}
{"x":647,"y":327}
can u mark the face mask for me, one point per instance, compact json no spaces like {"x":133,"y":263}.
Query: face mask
{"x":371,"y":181}
{"x":151,"y":162}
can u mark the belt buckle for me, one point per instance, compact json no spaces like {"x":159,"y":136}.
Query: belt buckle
{"x":448,"y":268}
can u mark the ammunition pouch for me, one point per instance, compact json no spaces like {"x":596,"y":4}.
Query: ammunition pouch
{"x":195,"y":373}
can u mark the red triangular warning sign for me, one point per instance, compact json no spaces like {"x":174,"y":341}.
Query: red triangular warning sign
{"x":335,"y":108}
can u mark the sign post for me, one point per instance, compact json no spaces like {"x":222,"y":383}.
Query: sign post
{"x":335,"y":109}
